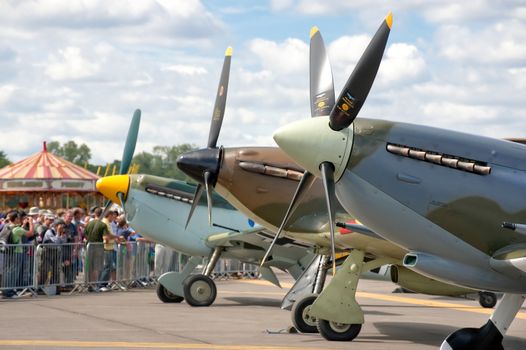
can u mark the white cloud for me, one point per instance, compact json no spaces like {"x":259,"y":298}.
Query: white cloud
{"x":186,"y":69}
{"x":278,"y":5}
{"x":497,"y":43}
{"x":70,"y":64}
{"x":6,"y":91}
{"x":402,"y":63}
{"x":289,"y":56}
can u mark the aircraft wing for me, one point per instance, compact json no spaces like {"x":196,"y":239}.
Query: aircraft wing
{"x":250,"y":246}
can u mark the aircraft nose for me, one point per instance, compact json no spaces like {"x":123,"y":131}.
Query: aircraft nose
{"x":196,"y":163}
{"x":109,"y":186}
{"x":311,"y":142}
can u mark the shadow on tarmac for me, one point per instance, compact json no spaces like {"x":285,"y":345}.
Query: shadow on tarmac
{"x":425,"y":334}
{"x":251,"y":301}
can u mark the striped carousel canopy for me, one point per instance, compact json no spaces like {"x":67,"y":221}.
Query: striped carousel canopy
{"x":46,"y":172}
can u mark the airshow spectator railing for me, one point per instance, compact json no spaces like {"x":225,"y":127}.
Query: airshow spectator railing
{"x":69,"y":267}
{"x":17,"y":268}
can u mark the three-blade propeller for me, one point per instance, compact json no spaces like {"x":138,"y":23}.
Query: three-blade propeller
{"x":321,"y":102}
{"x":342,"y":112}
{"x":127,"y":154}
{"x":203,"y":165}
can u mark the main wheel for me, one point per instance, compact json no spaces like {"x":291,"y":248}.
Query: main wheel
{"x":166,"y":296}
{"x":487,"y":299}
{"x":338,"y":331}
{"x":301,"y":317}
{"x":199,"y":290}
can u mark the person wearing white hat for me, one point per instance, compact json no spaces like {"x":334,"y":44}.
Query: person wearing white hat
{"x":33,"y":212}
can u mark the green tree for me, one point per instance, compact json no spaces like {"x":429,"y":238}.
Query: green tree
{"x":3,"y":159}
{"x":162,"y":162}
{"x":70,"y":151}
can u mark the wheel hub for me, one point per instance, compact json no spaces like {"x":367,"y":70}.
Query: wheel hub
{"x":339,"y":327}
{"x":201,"y":291}
{"x":308,"y":318}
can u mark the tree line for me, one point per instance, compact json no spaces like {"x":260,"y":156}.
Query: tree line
{"x":159,"y":162}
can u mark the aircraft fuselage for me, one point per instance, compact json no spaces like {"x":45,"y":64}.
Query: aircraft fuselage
{"x":454,"y":189}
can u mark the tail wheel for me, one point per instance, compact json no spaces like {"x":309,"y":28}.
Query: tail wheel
{"x":166,"y":296}
{"x":487,"y":299}
{"x":338,"y":331}
{"x":301,"y":317}
{"x":199,"y":290}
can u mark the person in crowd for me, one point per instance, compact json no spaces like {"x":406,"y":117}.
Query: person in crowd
{"x":78,"y":221}
{"x":14,"y":259}
{"x":110,"y":256}
{"x":70,"y":251}
{"x":59,"y":213}
{"x":52,"y":256}
{"x":80,"y":225}
{"x":124,"y":231}
{"x":95,"y":231}
{"x":41,"y":229}
{"x":165,"y":259}
{"x":114,"y":223}
{"x":29,"y":246}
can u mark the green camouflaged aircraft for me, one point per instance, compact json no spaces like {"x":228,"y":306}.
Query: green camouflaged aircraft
{"x":454,"y":201}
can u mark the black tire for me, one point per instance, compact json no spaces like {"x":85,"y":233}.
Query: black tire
{"x":199,"y":290}
{"x":166,"y":296}
{"x":301,"y":318}
{"x":338,"y":332}
{"x":487,"y":299}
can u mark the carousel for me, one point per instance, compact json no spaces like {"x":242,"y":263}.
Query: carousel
{"x":47,"y":181}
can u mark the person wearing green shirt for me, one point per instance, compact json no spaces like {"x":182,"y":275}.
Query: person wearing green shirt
{"x":15,"y":254}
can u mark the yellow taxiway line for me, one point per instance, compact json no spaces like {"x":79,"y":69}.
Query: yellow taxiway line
{"x":406,"y":300}
{"x":139,"y":345}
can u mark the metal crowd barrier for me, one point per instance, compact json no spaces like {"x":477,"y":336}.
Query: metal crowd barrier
{"x":71,"y":267}
{"x":17,"y":268}
{"x":126,"y":265}
{"x":231,"y":268}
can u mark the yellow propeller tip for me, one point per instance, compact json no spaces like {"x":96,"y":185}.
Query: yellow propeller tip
{"x":313,"y":31}
{"x":228,"y":51}
{"x":389,"y":19}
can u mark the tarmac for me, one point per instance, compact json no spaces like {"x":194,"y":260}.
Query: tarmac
{"x":246,"y":315}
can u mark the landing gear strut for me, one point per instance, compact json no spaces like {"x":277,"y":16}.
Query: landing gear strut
{"x":200,"y":290}
{"x":339,"y":316}
{"x":302,"y":318}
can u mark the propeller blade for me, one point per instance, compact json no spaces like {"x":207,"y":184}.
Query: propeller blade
{"x":197,"y":195}
{"x":327,"y":174}
{"x":208,"y":186}
{"x":107,"y":207}
{"x":321,"y":81}
{"x":305,"y":183}
{"x":121,"y":199}
{"x":131,"y":141}
{"x":357,"y":87}
{"x":219,"y":106}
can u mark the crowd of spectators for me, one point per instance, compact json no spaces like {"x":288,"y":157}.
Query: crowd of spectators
{"x":60,"y":260}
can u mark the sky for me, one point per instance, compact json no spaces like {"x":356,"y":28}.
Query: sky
{"x":77,"y":69}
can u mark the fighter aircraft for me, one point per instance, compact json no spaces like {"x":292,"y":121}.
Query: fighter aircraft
{"x":259,"y":181}
{"x":157,"y":208}
{"x":453,"y":200}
